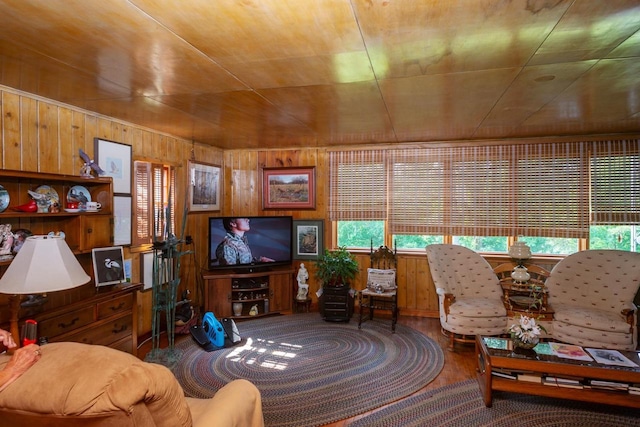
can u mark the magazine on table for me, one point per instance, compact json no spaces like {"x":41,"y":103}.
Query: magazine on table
{"x":570,"y":351}
{"x":610,"y":357}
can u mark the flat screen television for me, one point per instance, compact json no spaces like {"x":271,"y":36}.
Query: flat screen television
{"x":252,"y":243}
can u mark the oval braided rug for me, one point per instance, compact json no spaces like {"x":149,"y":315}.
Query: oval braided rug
{"x":311,"y":372}
{"x":461,"y":405}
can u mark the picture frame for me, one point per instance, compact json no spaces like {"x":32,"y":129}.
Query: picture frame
{"x":108,"y":265}
{"x":115,"y":159}
{"x":289,"y":188}
{"x":122,"y":220}
{"x":205,"y":187}
{"x":308,"y":239}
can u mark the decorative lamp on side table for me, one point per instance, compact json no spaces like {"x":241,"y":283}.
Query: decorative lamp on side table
{"x":44,"y":264}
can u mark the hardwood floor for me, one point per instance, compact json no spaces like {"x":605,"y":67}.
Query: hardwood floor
{"x":459,"y":365}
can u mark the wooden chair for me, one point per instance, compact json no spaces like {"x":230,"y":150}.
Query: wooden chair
{"x":381,"y":292}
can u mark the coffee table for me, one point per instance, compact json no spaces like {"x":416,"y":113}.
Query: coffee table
{"x":496,"y":360}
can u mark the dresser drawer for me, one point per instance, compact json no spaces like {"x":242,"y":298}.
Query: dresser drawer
{"x":114,"y":306}
{"x":106,"y":333}
{"x":66,"y":322}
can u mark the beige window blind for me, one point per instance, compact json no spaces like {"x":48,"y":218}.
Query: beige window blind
{"x":357,"y":185}
{"x":489,"y":191}
{"x":615,"y":182}
{"x":550,"y":190}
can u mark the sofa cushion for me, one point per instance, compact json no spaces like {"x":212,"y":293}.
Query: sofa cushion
{"x":73,"y":379}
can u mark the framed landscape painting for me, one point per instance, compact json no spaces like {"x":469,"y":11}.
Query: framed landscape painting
{"x":289,"y":188}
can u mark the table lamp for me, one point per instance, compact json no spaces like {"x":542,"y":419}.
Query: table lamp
{"x":43,"y":264}
{"x":520,"y":251}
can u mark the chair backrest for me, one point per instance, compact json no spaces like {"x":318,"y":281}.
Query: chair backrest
{"x":462,"y":271}
{"x":383,"y":258}
{"x":606,"y":279}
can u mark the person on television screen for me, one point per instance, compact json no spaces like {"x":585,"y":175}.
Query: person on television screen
{"x":234,"y":248}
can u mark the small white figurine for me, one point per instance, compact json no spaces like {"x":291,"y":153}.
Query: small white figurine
{"x":254,"y":310}
{"x":6,"y":240}
{"x":303,"y":287}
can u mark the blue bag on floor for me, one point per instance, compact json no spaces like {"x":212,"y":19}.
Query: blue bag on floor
{"x":214,"y":330}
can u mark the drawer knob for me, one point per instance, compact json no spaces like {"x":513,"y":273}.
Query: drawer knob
{"x":117,"y":307}
{"x":66,"y":325}
{"x":117,"y":331}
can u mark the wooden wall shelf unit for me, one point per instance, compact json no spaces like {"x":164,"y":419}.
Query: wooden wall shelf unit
{"x":83,"y":230}
{"x":104,"y":316}
{"x":270,"y":290}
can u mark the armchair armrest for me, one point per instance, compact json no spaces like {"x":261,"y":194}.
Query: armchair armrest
{"x":447,"y":299}
{"x":628,"y":314}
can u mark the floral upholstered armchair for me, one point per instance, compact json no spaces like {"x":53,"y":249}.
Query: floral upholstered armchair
{"x":469,"y":293}
{"x":592,"y":293}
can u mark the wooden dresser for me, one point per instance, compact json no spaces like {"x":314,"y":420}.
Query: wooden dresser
{"x":109,"y":318}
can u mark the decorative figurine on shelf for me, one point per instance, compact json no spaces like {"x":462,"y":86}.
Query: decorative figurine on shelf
{"x":6,"y":241}
{"x":254,"y":310}
{"x":303,"y":287}
{"x":43,"y":200}
{"x":31,"y":206}
{"x":88,"y":166}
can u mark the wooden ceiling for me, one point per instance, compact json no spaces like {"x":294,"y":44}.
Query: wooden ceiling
{"x":293,"y":73}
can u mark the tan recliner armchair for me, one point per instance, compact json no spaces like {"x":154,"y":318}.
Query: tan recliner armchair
{"x":592,"y":295}
{"x":88,"y":385}
{"x":469,"y":293}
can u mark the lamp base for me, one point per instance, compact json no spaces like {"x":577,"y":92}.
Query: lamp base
{"x":14,"y":310}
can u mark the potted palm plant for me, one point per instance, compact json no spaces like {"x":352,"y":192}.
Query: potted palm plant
{"x":336,"y":268}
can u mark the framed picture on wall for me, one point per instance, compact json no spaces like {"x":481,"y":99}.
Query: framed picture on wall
{"x":115,"y":159}
{"x":205,"y":186}
{"x":108,"y":265}
{"x":308,"y":239}
{"x":289,"y":188}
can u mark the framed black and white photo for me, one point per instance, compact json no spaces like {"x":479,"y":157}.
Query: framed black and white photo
{"x":308,"y":239}
{"x":205,"y":186}
{"x":115,"y":159}
{"x":108,"y":265}
{"x":121,"y":220}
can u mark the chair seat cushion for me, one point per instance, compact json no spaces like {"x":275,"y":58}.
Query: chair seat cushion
{"x":477,"y":307}
{"x":591,"y":318}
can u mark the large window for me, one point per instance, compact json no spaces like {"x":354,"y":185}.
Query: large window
{"x":154,"y":201}
{"x":561,"y":196}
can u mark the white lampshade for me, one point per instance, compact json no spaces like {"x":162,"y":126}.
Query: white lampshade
{"x":43,"y":264}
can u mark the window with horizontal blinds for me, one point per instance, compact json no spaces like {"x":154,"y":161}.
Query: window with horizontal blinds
{"x":152,"y":184}
{"x":417,"y":196}
{"x":142,"y":219}
{"x":357,"y":185}
{"x":551,"y":190}
{"x":615,"y":182}
{"x":537,"y":190}
{"x":555,"y":190}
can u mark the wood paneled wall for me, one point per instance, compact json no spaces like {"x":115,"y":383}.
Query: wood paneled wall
{"x":43,"y":136}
